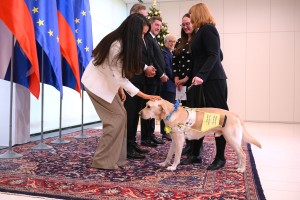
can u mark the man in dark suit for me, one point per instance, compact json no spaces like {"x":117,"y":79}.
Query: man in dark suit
{"x":153,"y":83}
{"x":134,"y":104}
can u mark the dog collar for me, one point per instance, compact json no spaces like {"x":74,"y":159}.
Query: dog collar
{"x":191,"y":117}
{"x":176,"y":104}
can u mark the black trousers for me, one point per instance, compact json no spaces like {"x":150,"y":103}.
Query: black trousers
{"x":148,"y":126}
{"x":211,"y":94}
{"x":133,"y":106}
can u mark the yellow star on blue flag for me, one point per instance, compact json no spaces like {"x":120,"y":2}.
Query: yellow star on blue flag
{"x":44,"y":15}
{"x":83,"y":33}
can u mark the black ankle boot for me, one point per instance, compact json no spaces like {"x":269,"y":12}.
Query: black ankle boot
{"x":216,"y":164}
{"x":187,"y":149}
{"x":190,"y":160}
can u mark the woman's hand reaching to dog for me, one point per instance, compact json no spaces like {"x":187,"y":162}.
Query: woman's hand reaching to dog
{"x":147,"y":96}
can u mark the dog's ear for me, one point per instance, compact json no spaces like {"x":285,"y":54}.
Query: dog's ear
{"x":163,"y":110}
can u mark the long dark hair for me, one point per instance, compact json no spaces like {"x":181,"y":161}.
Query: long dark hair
{"x":129,"y":33}
{"x":184,"y":38}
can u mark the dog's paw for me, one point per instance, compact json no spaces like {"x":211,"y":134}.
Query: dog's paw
{"x":241,"y":170}
{"x":163,"y":164}
{"x":172,"y":168}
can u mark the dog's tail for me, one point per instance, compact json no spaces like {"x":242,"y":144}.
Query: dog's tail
{"x":249,"y":138}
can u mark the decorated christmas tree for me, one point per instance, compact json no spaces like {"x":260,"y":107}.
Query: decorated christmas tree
{"x":153,"y":11}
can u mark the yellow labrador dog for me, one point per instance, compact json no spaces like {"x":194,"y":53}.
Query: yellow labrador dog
{"x":186,"y":123}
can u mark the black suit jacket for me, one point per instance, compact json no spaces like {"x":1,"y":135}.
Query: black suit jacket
{"x":157,"y":57}
{"x":146,"y":60}
{"x":207,"y":54}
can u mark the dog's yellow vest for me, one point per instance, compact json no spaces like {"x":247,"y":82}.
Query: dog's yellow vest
{"x":212,"y":120}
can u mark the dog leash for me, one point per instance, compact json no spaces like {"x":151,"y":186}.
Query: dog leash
{"x":188,"y":89}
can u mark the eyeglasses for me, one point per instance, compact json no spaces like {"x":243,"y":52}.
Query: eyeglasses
{"x":186,"y":24}
{"x":173,"y":41}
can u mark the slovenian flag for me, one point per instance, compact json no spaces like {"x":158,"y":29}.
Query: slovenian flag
{"x":68,"y":48}
{"x":23,"y":30}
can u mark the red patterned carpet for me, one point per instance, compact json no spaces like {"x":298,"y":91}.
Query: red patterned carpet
{"x":65,"y":173}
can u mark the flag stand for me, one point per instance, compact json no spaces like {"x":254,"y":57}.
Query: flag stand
{"x":60,"y":140}
{"x":10,"y":153}
{"x":42,"y":145}
{"x":82,"y":134}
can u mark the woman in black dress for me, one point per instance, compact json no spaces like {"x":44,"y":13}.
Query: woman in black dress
{"x":208,"y":75}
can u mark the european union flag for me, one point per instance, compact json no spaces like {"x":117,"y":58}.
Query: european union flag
{"x":83,"y":32}
{"x":44,"y":15}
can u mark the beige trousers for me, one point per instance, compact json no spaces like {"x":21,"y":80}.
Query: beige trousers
{"x":112,"y":148}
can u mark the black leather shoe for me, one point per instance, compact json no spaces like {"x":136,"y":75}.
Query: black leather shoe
{"x":138,"y":149}
{"x":191,"y":160}
{"x":187,"y":149}
{"x":166,"y":137}
{"x":148,"y":143}
{"x":157,"y":140}
{"x":132,"y":154}
{"x":216,"y":164}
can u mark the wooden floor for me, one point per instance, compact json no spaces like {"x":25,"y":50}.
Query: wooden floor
{"x":278,"y":162}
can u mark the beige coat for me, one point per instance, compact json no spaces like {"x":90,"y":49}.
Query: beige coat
{"x":105,"y":80}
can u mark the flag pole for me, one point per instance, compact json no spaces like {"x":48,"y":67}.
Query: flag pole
{"x":82,"y":135}
{"x":42,"y":145}
{"x":10,"y":153}
{"x":60,"y":140}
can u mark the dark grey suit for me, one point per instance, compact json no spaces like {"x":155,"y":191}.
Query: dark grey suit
{"x":133,"y":105}
{"x":153,"y":84}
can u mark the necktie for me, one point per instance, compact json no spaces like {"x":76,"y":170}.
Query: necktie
{"x":144,"y":43}
{"x":155,"y":41}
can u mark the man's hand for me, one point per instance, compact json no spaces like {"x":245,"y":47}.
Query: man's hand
{"x":164,"y":78}
{"x":150,"y":71}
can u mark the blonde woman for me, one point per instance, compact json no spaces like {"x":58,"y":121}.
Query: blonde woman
{"x":208,"y":75}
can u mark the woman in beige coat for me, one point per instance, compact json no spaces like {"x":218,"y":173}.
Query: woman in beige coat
{"x":115,"y":60}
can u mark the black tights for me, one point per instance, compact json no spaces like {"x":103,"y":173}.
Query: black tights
{"x":220,"y":147}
